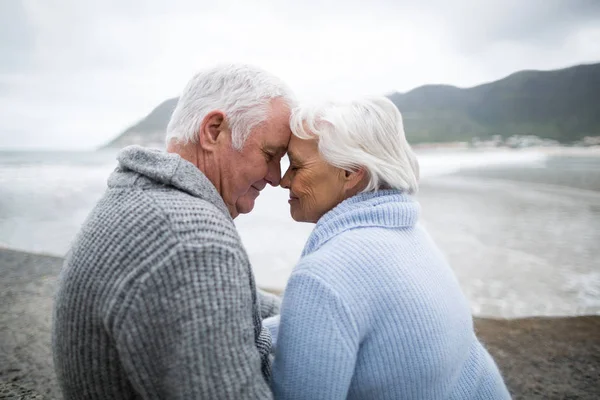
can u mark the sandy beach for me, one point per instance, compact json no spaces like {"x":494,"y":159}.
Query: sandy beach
{"x":540,"y":358}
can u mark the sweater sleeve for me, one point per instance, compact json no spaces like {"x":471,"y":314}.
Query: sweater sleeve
{"x":317,"y":343}
{"x":272,"y":325}
{"x":187,"y":330}
{"x":269,"y":304}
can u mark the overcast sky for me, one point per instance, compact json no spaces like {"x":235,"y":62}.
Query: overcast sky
{"x":74,"y":73}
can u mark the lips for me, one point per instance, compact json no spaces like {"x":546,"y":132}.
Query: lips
{"x":253,"y":189}
{"x":259,"y":187}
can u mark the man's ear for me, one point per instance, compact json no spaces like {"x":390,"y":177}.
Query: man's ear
{"x":212,"y":129}
{"x":354,"y":180}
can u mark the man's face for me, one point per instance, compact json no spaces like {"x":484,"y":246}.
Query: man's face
{"x":247,"y":172}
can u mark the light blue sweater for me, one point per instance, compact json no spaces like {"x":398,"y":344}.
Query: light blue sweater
{"x":372,"y":311}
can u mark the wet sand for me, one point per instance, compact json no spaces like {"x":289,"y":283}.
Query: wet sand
{"x":546,"y":358}
{"x":26,"y":292}
{"x":540,"y":358}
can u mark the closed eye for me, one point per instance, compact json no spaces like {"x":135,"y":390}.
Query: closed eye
{"x":269,"y":156}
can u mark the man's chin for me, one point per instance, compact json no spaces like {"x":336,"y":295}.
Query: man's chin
{"x":244,"y":206}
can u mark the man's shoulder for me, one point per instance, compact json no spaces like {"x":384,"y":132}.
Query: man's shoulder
{"x":172,"y":200}
{"x":135,"y":230}
{"x":189,"y":216}
{"x":180,"y":212}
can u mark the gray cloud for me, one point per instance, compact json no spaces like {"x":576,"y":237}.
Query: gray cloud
{"x":16,"y":39}
{"x":467,"y":21}
{"x":543,"y":23}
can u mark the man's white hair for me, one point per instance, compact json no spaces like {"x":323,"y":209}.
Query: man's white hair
{"x":366,"y":134}
{"x":242,"y":92}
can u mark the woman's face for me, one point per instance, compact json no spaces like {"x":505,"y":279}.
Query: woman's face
{"x":315,"y":186}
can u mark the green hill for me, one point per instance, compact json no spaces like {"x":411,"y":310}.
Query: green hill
{"x":563,"y":105}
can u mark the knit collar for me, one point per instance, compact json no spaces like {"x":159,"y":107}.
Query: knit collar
{"x":384,"y":208}
{"x":168,"y":169}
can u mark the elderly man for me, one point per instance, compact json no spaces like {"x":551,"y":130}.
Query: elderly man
{"x":157,"y":298}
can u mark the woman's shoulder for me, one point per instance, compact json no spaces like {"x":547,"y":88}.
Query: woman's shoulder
{"x":376,"y":257}
{"x":349,"y":257}
{"x":366,"y":245}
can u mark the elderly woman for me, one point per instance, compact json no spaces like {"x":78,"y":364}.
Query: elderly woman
{"x":372,"y":310}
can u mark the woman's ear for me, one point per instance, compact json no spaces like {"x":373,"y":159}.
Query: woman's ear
{"x":355,"y":180}
{"x":212,"y":129}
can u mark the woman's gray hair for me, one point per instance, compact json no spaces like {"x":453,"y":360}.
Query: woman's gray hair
{"x":242,"y":92}
{"x":365,"y":134}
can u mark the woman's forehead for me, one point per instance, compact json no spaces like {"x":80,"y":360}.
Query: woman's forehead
{"x":302,"y":148}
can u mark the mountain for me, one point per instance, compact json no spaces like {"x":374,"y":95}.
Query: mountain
{"x":563,"y":105}
{"x":150,"y":131}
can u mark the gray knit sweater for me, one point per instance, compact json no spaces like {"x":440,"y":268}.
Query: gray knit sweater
{"x":157,"y":299}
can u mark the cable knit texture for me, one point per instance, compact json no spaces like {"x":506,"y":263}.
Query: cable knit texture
{"x":372,"y":311}
{"x":156,"y":298}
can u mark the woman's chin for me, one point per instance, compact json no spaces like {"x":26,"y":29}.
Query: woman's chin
{"x":293,"y":214}
{"x":296,"y":216}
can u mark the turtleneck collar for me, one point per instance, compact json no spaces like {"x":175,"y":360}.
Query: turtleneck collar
{"x":384,"y":208}
{"x":168,"y":169}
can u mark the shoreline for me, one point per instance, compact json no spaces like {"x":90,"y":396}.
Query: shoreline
{"x":591,"y":151}
{"x":539,"y":357}
{"x":279,"y":291}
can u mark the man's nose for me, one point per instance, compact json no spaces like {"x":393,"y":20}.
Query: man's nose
{"x":274,"y":174}
{"x":285,"y":181}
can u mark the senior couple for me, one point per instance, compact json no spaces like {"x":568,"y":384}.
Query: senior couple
{"x":157,"y":298}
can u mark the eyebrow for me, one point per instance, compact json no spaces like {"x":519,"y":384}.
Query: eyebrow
{"x":278,"y":150}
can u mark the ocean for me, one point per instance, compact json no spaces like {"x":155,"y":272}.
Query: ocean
{"x":520,"y":228}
